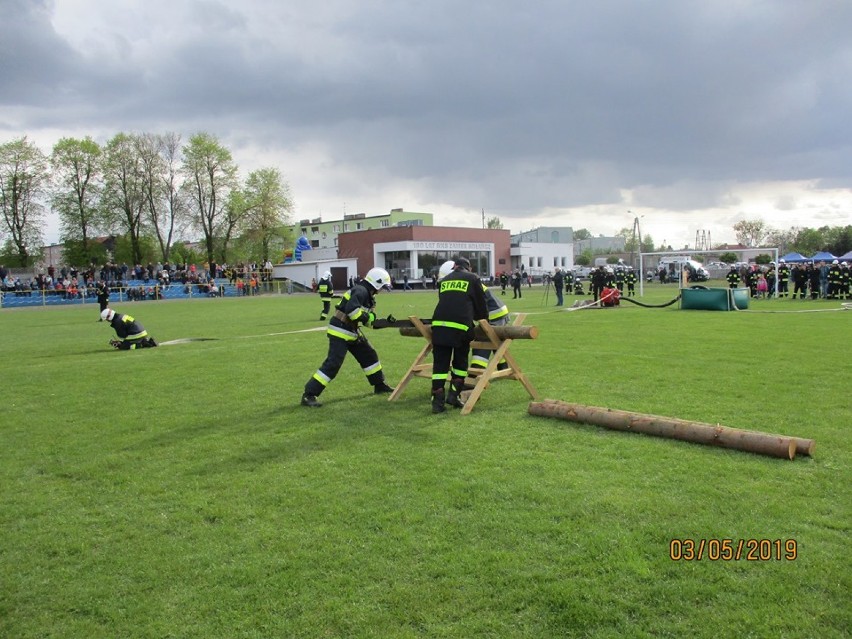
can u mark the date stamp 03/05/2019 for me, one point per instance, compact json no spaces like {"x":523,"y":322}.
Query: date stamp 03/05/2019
{"x":733,"y":549}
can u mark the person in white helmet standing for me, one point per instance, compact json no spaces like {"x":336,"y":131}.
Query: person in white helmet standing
{"x":356,"y":307}
{"x":326,"y":291}
{"x":461,"y":301}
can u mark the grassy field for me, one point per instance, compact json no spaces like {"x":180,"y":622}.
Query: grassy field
{"x":183,"y":492}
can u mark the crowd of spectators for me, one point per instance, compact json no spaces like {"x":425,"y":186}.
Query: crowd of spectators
{"x":139,"y":282}
{"x":815,"y":280}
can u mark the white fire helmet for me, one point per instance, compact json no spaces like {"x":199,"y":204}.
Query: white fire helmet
{"x":107,"y":314}
{"x":446,"y":268}
{"x":378,"y":278}
{"x":326,"y":275}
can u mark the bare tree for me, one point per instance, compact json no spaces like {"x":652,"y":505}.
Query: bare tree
{"x":24,"y":177}
{"x":782,"y":239}
{"x":750,"y":232}
{"x":209,"y":177}
{"x":124,"y":189}
{"x":76,"y":189}
{"x":165,"y":203}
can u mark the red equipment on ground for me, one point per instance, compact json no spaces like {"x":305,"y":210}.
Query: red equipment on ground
{"x":610,"y":297}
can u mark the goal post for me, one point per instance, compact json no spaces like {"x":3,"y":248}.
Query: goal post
{"x":687,"y":253}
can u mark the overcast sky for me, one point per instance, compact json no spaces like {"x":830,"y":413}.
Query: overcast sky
{"x":690,"y":114}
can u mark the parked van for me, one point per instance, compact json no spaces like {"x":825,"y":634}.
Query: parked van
{"x":677,"y":263}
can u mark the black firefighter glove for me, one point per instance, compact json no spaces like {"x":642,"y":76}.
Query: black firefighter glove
{"x":388,"y":322}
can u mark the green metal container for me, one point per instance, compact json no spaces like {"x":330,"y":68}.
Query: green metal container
{"x":714,"y":299}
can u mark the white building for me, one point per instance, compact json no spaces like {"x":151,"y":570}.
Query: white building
{"x":543,"y":249}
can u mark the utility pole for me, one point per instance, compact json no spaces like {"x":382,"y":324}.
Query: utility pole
{"x":483,"y":218}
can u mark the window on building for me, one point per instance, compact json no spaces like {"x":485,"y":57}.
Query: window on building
{"x":359,"y":226}
{"x":538,"y":262}
{"x":385,"y":222}
{"x":315,"y":230}
{"x":336,"y":228}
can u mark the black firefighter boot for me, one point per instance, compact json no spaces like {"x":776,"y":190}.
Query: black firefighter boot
{"x":438,"y":400}
{"x":453,"y":398}
{"x":310,"y":400}
{"x":382,"y":388}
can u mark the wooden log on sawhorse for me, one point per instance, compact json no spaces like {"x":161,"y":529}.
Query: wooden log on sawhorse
{"x":486,"y":337}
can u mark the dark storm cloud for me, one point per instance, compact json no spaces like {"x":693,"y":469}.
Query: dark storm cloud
{"x":523,"y":105}
{"x":34,"y":62}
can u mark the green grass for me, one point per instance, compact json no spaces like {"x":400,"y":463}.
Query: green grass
{"x":183,"y":492}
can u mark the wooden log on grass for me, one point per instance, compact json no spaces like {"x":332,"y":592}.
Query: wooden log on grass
{"x":503,"y":332}
{"x":711,"y":434}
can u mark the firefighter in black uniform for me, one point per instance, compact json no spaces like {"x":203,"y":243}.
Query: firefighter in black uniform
{"x":619,"y":278}
{"x":599,"y":277}
{"x":344,"y":336}
{"x":733,"y":277}
{"x":783,"y":278}
{"x":131,"y":333}
{"x":800,"y":281}
{"x":326,"y":292}
{"x":516,"y":284}
{"x":813,"y":278}
{"x":835,"y":281}
{"x":461,"y":301}
{"x":102,"y":291}
{"x":504,"y":282}
{"x":498,"y":315}
{"x":844,"y":280}
{"x":630,"y":279}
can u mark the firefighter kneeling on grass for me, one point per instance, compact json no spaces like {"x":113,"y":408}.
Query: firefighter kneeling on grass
{"x":131,"y":333}
{"x":344,"y":336}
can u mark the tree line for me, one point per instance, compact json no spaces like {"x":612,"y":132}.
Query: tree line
{"x":146,"y":189}
{"x":836,"y":240}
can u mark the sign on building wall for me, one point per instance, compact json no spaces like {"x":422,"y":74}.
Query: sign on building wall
{"x":451,"y":246}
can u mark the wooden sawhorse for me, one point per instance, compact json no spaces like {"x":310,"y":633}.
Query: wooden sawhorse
{"x":496,"y":338}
